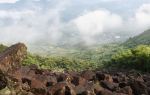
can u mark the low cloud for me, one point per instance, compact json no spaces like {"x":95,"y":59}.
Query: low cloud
{"x":8,"y":1}
{"x":45,"y":25}
{"x":113,"y":0}
{"x":139,"y":22}
{"x":14,"y":14}
{"x":97,"y":22}
{"x":31,"y":26}
{"x":102,"y":23}
{"x":142,"y":16}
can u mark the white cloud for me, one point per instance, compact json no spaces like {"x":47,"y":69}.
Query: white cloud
{"x":142,"y":16}
{"x":8,"y":1}
{"x":97,"y":22}
{"x":30,"y":26}
{"x":112,"y":0}
{"x":34,"y":24}
{"x":140,"y":21}
{"x":103,"y":22}
{"x":14,"y":14}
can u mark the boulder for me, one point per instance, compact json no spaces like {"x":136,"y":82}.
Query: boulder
{"x":109,"y":85}
{"x":138,"y":87}
{"x":61,"y":88}
{"x":3,"y":81}
{"x":78,"y":80}
{"x":126,"y":90}
{"x":11,"y":58}
{"x":88,"y":75}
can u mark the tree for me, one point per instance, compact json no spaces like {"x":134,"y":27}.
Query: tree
{"x":137,"y":58}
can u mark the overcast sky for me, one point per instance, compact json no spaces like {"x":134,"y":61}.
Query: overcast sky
{"x":30,"y":21}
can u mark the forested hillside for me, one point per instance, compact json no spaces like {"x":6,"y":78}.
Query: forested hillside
{"x":143,"y":39}
{"x":135,"y":58}
{"x":80,"y":59}
{"x":133,"y":54}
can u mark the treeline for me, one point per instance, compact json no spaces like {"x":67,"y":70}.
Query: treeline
{"x":135,"y":58}
{"x":93,"y":58}
{"x":59,"y":63}
{"x":143,"y":38}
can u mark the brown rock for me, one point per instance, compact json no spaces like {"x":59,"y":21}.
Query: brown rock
{"x":109,"y":85}
{"x":63,"y":77}
{"x":88,"y":75}
{"x":105,"y":92}
{"x":122,"y":84}
{"x":3,"y":81}
{"x":80,"y":89}
{"x":62,"y":88}
{"x":126,"y":90}
{"x":12,"y":57}
{"x":38,"y":87}
{"x":101,"y":76}
{"x":138,"y":87}
{"x":77,"y":80}
{"x":51,"y":81}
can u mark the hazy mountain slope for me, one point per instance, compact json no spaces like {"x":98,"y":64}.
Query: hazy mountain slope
{"x":143,"y":38}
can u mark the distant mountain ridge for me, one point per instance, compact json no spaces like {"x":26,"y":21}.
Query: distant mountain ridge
{"x":141,"y":39}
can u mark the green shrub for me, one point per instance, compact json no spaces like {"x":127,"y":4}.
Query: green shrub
{"x":89,"y":58}
{"x":62,"y":63}
{"x":137,"y":58}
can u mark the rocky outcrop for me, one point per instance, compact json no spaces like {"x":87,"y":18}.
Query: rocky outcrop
{"x":11,"y":58}
{"x":29,"y":80}
{"x":49,"y":83}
